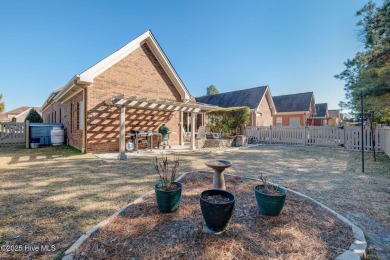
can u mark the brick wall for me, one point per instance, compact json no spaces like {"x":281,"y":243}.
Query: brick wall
{"x":138,"y":74}
{"x":286,"y":119}
{"x":60,"y":113}
{"x":266,"y":115}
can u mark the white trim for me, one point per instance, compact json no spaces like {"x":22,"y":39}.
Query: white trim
{"x":147,"y":37}
{"x":70,"y":85}
{"x":47,"y":102}
{"x":87,"y":76}
{"x":157,"y":104}
{"x":72,"y":95}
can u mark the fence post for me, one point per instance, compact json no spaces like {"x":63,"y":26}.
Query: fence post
{"x":27,"y":133}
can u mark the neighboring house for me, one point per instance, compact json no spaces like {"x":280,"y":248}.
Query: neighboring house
{"x":134,"y":88}
{"x":18,"y":114}
{"x":334,"y":117}
{"x":258,"y":99}
{"x":294,"y":109}
{"x":321,"y":116}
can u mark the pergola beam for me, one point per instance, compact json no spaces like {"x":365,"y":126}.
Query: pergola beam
{"x":158,"y":104}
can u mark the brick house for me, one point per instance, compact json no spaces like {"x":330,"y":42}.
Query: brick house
{"x":293,"y":109}
{"x":134,"y":88}
{"x":321,"y":116}
{"x":18,"y":114}
{"x":258,"y":99}
{"x":335,"y":118}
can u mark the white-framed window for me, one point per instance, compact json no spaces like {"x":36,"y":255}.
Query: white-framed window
{"x":279,"y":121}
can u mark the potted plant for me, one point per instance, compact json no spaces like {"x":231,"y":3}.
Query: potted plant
{"x":217,"y":208}
{"x":168,"y":191}
{"x":270,"y":198}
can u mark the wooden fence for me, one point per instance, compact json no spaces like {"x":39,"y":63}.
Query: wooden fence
{"x":348,"y":137}
{"x":12,"y":133}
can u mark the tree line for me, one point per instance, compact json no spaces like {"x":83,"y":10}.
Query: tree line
{"x":368,"y":73}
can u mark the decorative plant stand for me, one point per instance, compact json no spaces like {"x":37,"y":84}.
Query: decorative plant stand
{"x":218,"y":166}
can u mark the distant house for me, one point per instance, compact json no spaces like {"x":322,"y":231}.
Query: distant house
{"x":321,"y":116}
{"x":293,"y":109}
{"x":18,"y":114}
{"x":258,"y":99}
{"x":335,"y":118}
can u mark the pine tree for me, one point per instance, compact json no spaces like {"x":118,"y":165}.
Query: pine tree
{"x":369,"y":70}
{"x":34,"y":117}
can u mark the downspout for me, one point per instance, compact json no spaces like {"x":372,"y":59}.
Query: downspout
{"x":84,"y":148}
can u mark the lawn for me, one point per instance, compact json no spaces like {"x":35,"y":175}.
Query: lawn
{"x":51,"y":196}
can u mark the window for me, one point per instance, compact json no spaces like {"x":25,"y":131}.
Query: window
{"x":77,"y":116}
{"x":55,"y":116}
{"x":294,"y":121}
{"x":80,"y":116}
{"x":60,"y":116}
{"x":279,"y":121}
{"x":71,"y":117}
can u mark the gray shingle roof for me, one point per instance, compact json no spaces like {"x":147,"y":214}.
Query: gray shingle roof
{"x":293,"y":102}
{"x":321,"y":110}
{"x":250,"y":97}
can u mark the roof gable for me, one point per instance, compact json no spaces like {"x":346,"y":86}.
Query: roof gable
{"x":17,"y":111}
{"x":7,"y":116}
{"x":86,"y":77}
{"x":321,"y":110}
{"x":293,"y":103}
{"x":246,"y":97}
{"x":334,"y":113}
{"x":148,"y":38}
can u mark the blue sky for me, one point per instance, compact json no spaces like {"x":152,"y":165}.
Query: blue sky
{"x":292,"y":46}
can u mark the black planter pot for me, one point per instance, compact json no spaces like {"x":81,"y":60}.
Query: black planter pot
{"x":270,"y":205}
{"x":168,"y":201}
{"x":217,"y":215}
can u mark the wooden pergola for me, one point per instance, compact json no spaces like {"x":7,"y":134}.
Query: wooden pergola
{"x":123,"y":101}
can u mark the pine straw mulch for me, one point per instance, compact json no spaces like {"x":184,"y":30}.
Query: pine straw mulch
{"x":302,"y":231}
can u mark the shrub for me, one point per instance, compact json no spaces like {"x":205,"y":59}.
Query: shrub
{"x":222,"y":120}
{"x":34,"y":117}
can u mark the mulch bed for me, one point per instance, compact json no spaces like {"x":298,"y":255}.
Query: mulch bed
{"x":302,"y":231}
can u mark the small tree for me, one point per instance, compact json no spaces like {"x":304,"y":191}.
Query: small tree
{"x":212,"y":90}
{"x":1,"y":103}
{"x":34,"y":117}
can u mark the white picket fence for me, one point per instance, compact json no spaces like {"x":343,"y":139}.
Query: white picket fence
{"x":12,"y":133}
{"x":348,"y":137}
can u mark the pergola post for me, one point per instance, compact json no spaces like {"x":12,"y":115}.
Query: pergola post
{"x":193,"y":147}
{"x":122,"y":128}
{"x":181,"y":129}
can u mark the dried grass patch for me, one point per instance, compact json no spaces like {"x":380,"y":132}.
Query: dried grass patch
{"x":302,"y":231}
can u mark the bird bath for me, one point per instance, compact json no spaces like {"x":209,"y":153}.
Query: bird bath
{"x":218,"y":166}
